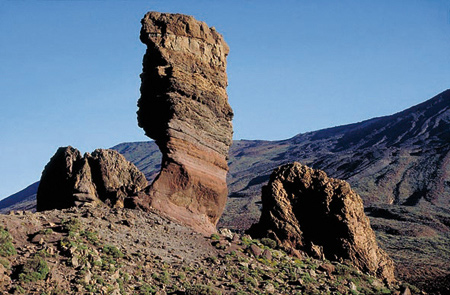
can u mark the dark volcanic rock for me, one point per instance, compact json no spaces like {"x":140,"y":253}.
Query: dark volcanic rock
{"x":57,"y":182}
{"x":71,"y":180}
{"x":184,"y":107}
{"x":306,"y":210}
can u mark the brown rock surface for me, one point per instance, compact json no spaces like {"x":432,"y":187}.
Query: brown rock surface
{"x":115,"y":177}
{"x":71,"y":180}
{"x":184,"y":107}
{"x":306,"y":210}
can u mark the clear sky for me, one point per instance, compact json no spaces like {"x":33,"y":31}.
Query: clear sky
{"x":69,"y":70}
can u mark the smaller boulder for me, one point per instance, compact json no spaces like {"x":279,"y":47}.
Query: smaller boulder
{"x":328,"y":268}
{"x":72,"y":180}
{"x":267,"y":255}
{"x":304,"y":209}
{"x":255,"y":250}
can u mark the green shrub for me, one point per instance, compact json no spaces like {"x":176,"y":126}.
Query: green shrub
{"x":220,"y":246}
{"x":182,"y":276}
{"x":91,"y":288}
{"x":34,"y":269}
{"x":307,"y":278}
{"x":19,"y":289}
{"x":269,"y":243}
{"x":6,"y":245}
{"x":365,"y":290}
{"x":146,"y":289}
{"x":247,"y":240}
{"x":47,"y":231}
{"x":212,"y":259}
{"x":200,"y":289}
{"x":112,"y":251}
{"x":343,"y":270}
{"x":250,"y":281}
{"x":5,"y":263}
{"x":91,"y":237}
{"x":71,"y":225}
{"x":215,"y":237}
{"x":164,"y":278}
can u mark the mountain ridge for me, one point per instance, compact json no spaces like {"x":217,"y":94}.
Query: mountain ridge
{"x":28,"y":194}
{"x":126,"y":147}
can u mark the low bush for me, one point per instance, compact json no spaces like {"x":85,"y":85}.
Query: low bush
{"x":112,"y":251}
{"x":200,"y":289}
{"x":269,"y":243}
{"x":6,"y":245}
{"x":34,"y":269}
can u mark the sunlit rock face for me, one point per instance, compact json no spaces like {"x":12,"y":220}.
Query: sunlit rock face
{"x":184,"y":108}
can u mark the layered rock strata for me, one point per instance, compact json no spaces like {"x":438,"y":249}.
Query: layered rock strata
{"x":104,"y":176}
{"x":304,"y":209}
{"x":184,"y":108}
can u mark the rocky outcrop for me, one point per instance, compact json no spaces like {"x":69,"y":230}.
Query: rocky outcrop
{"x":324,"y":217}
{"x":184,"y":108}
{"x":104,"y":176}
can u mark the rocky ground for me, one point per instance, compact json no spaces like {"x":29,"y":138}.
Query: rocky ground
{"x":122,"y":251}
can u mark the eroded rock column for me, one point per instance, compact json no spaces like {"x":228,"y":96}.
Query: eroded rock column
{"x":184,"y":108}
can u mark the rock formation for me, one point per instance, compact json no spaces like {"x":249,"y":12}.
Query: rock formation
{"x":184,"y":108}
{"x":324,"y":217}
{"x":72,"y":180}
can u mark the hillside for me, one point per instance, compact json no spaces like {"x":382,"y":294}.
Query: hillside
{"x":103,"y":251}
{"x":399,"y":164}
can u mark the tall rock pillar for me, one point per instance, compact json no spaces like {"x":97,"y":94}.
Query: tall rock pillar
{"x":184,"y":108}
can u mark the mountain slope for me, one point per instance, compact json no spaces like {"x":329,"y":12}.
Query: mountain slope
{"x":401,"y":159}
{"x":22,"y":200}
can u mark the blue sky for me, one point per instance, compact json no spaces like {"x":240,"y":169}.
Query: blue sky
{"x":69,"y":71}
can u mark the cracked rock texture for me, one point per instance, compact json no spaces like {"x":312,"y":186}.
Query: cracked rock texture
{"x":184,"y":108}
{"x":104,"y":176}
{"x":305,"y":209}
